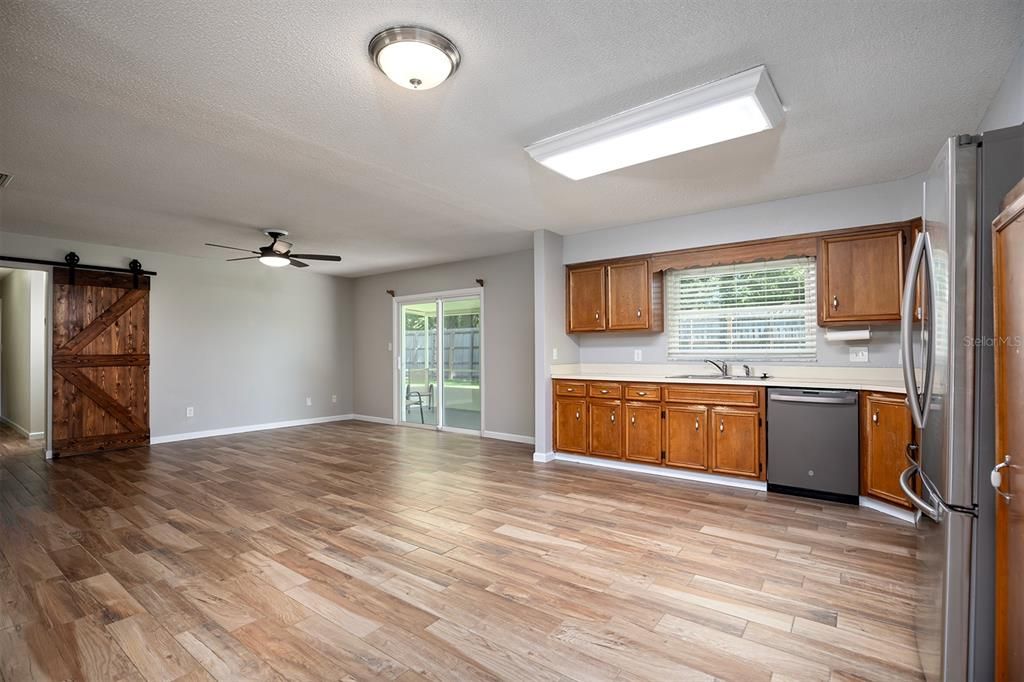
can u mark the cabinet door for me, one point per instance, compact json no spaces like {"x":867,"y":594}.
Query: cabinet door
{"x":571,"y":425}
{"x":606,"y":428}
{"x":886,"y":430}
{"x":585,"y":296}
{"x":686,"y":436}
{"x":629,"y":296}
{"x":736,"y":441}
{"x":643,"y":432}
{"x":862,"y":277}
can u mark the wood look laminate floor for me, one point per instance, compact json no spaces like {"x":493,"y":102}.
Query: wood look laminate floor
{"x":360,"y":551}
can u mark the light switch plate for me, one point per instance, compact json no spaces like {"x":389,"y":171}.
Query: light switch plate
{"x":190,"y":411}
{"x":554,"y":353}
{"x":858,"y":353}
{"x":334,"y":398}
{"x":309,"y":402}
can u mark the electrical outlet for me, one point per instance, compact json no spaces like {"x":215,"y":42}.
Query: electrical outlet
{"x":858,"y":353}
{"x":638,"y":355}
{"x":190,"y":411}
{"x":390,"y":346}
{"x":309,"y":401}
{"x":554,"y":353}
{"x":334,"y":398}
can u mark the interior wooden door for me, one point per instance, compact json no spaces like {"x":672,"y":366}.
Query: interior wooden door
{"x":586,"y":299}
{"x":686,"y":440}
{"x":629,"y":296}
{"x":100,"y":361}
{"x":643,"y":432}
{"x":735,"y":436}
{"x":1009,"y":455}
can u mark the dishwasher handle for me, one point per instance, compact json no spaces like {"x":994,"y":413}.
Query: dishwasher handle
{"x":820,"y":399}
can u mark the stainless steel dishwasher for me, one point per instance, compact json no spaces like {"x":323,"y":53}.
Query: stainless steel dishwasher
{"x":814,"y":443}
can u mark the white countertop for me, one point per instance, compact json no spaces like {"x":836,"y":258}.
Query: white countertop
{"x":888,"y":380}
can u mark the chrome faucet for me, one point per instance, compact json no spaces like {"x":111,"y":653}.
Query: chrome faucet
{"x":721,"y":365}
{"x":747,"y":371}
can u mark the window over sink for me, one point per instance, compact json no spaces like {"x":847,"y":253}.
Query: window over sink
{"x":752,"y":311}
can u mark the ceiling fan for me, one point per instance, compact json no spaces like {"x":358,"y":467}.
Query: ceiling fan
{"x":278,"y":253}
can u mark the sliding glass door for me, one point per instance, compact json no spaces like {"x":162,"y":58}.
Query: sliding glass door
{"x":440,"y":345}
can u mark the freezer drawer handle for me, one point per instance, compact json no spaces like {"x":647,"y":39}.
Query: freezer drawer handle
{"x":996,"y":478}
{"x":823,"y":399}
{"x":932,"y":512}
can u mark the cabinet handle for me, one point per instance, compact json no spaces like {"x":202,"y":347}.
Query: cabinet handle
{"x":721,"y":425}
{"x":874,"y":417}
{"x":835,"y":303}
{"x":604,"y":390}
{"x":570,"y":390}
{"x":641,"y":393}
{"x":577,"y":415}
{"x":696,"y":424}
{"x":613,"y":417}
{"x":638,"y":313}
{"x":632,"y":419}
{"x":597,"y":316}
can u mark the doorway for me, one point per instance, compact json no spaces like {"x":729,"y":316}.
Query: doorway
{"x":439,"y":361}
{"x":24,"y":408}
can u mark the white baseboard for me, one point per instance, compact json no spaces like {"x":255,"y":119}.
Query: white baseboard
{"x":175,"y":437}
{"x":543,"y":457}
{"x":368,"y":418}
{"x":665,"y":472}
{"x":513,"y":437}
{"x":31,"y":435}
{"x":889,"y":509}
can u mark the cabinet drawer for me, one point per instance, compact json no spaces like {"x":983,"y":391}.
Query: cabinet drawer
{"x":605,"y":390}
{"x":745,"y":396}
{"x":643,"y":392}
{"x":571,"y":388}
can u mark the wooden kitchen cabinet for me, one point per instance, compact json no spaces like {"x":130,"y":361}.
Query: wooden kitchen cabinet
{"x":860,"y":277}
{"x":629,"y":296}
{"x":736,"y":441}
{"x":571,"y":425}
{"x":686,"y":436}
{"x":886,"y":431}
{"x":605,"y":426}
{"x":585,"y":298}
{"x":643,"y":432}
{"x":618,"y":296}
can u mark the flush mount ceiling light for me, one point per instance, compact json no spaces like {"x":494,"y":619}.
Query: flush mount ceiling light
{"x":415,"y":58}
{"x":721,"y":110}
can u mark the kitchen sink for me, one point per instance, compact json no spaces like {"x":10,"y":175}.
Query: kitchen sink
{"x":715,"y":377}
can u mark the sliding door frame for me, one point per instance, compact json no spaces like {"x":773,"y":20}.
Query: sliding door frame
{"x":438,"y":297}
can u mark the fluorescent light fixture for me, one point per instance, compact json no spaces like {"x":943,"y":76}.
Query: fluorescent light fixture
{"x":722,"y":110}
{"x":274,"y":261}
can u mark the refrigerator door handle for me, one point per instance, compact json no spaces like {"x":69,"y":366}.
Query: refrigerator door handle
{"x":931,"y":511}
{"x":929,"y":314}
{"x":906,"y":329}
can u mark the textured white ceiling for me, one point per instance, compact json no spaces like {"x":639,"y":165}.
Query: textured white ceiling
{"x":160,"y":125}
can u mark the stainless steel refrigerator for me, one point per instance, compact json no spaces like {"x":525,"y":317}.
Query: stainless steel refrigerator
{"x":947,"y":319}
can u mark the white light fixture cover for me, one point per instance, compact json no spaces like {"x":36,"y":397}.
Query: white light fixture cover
{"x":415,"y":58}
{"x":274,"y":261}
{"x":725,"y":109}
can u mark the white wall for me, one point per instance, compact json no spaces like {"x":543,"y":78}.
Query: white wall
{"x":23,"y":338}
{"x":508,"y":335}
{"x":241,"y":343}
{"x":881,"y":203}
{"x":1007,"y":107}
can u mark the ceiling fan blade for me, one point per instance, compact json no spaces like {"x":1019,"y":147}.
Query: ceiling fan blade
{"x":233,"y":248}
{"x":243,"y":258}
{"x":298,"y":263}
{"x":315,"y":256}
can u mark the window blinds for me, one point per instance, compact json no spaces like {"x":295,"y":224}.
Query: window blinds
{"x":750,"y":310}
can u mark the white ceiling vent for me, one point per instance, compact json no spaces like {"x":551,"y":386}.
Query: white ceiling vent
{"x":5,"y":179}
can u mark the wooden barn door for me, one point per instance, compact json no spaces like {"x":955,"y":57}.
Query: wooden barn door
{"x":100,"y":361}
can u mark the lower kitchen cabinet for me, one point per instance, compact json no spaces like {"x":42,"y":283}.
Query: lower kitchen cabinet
{"x":886,"y":431}
{"x":643,"y":432}
{"x":605,"y":425}
{"x":736,"y":438}
{"x":686,"y":439}
{"x":571,"y":425}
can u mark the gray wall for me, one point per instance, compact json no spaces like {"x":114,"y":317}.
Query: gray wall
{"x":1007,"y":107}
{"x":868,"y":205}
{"x":23,"y":361}
{"x":508,"y":335}
{"x":241,"y":343}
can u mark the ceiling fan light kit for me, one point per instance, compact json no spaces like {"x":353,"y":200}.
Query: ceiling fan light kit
{"x":278,"y":253}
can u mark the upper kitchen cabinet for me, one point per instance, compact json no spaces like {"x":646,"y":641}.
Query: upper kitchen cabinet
{"x":618,"y":296}
{"x":860,"y":277}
